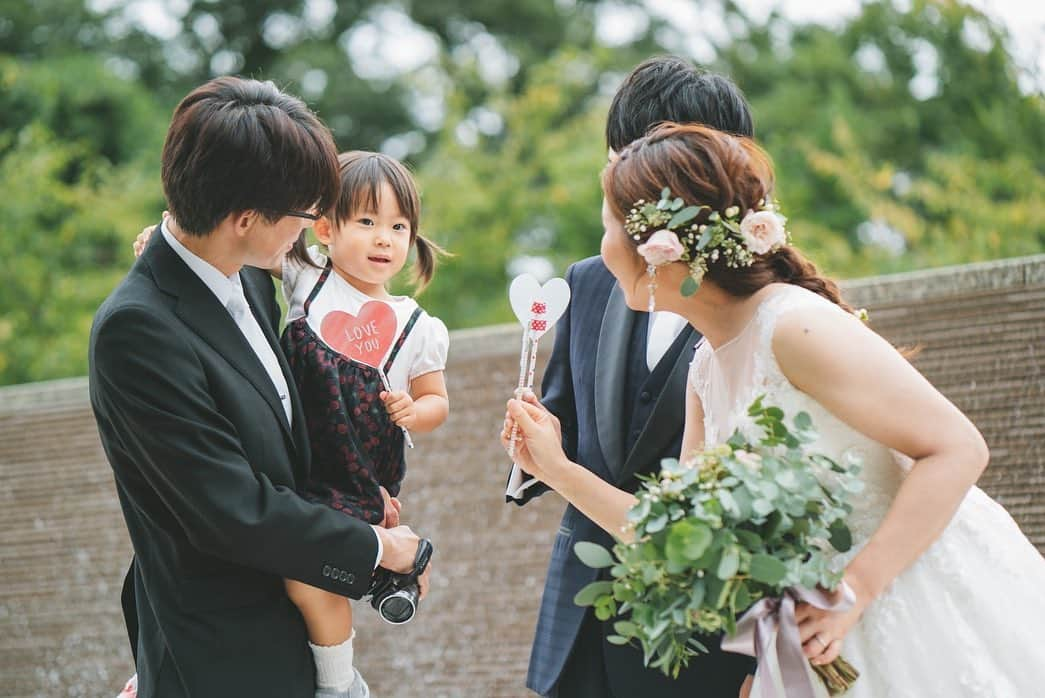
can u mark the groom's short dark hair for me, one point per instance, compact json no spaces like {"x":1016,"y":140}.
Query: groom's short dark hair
{"x":240,"y":145}
{"x":669,"y":88}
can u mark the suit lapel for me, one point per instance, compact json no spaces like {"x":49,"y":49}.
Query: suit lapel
{"x":669,"y":413}
{"x":200,"y":310}
{"x":257,"y":303}
{"x":610,"y":375}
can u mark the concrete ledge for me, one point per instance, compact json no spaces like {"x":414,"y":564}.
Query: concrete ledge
{"x":28,"y":397}
{"x":960,"y":280}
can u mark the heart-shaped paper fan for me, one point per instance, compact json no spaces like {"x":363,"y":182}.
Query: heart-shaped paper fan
{"x":538,"y":307}
{"x":366,"y":337}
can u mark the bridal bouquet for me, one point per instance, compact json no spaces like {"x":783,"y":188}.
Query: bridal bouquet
{"x":743,"y":526}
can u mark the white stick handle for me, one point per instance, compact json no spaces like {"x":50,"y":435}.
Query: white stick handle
{"x":531,"y":366}
{"x":388,"y":387}
{"x":533,"y":362}
{"x":522,"y":383}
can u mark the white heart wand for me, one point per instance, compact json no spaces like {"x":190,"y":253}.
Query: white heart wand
{"x":538,"y":308}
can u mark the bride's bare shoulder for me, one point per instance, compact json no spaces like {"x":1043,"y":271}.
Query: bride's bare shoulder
{"x":821,"y":338}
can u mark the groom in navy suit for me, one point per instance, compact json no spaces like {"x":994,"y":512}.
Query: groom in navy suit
{"x":616,"y":380}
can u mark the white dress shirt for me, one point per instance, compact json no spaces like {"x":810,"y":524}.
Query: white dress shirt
{"x":664,"y":329}
{"x":229,"y":292}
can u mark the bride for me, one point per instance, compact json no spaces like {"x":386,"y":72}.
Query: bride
{"x":948,"y":590}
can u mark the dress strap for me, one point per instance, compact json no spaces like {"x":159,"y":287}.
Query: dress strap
{"x":319,"y":284}
{"x":402,"y":338}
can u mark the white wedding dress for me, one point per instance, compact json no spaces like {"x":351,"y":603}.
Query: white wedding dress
{"x":967,"y":619}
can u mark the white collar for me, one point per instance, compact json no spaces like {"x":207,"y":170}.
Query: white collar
{"x":223,"y":287}
{"x":667,"y":322}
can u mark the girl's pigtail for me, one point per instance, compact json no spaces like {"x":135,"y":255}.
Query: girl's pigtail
{"x":428,"y":254}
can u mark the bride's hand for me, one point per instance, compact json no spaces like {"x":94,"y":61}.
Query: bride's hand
{"x":538,"y":446}
{"x":530,"y":398}
{"x":822,"y":631}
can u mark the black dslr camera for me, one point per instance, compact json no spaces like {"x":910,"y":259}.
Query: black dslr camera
{"x":394,"y":595}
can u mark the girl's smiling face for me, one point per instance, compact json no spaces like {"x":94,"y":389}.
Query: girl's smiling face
{"x":369,"y":247}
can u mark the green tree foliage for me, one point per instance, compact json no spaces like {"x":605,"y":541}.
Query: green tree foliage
{"x":901,"y":137}
{"x":908,"y":126}
{"x":530,"y":190}
{"x":79,"y":155}
{"x":283,"y":40}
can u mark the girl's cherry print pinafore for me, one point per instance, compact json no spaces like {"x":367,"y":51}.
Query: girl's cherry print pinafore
{"x":356,"y":447}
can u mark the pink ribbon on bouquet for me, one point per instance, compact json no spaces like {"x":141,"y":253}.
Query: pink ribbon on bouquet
{"x":755,"y":630}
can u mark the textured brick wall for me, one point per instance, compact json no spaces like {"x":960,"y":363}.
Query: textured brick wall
{"x":63,"y":548}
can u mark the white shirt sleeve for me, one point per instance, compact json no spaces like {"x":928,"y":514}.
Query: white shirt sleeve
{"x":298,"y":280}
{"x":380,"y":547}
{"x":519,"y":482}
{"x":435,"y":344}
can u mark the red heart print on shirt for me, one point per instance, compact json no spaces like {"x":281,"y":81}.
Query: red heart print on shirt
{"x":366,"y":337}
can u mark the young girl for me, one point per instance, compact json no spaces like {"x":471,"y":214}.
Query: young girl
{"x":355,"y":425}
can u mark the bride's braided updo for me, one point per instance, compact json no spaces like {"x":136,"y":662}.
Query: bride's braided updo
{"x":705,"y":167}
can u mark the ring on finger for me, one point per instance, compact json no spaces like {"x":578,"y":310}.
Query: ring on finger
{"x":823,"y":644}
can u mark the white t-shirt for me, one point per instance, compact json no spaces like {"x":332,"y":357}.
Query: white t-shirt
{"x":425,"y":348}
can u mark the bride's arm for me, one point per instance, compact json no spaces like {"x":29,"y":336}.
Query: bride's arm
{"x":693,"y":434}
{"x":539,"y":453}
{"x":597,"y":499}
{"x":864,"y":381}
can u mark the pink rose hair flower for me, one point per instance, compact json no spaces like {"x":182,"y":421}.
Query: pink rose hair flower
{"x":763,"y":231}
{"x":661,"y":247}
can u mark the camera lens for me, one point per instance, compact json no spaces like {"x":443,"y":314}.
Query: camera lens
{"x":399,"y":607}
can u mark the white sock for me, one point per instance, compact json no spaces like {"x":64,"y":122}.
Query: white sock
{"x":334,"y":665}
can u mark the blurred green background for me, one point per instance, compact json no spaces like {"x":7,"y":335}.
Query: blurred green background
{"x":906,"y":134}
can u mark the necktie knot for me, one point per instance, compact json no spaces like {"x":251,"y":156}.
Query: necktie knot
{"x":237,"y":306}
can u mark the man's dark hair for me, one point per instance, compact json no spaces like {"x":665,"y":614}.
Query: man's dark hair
{"x":669,"y":88}
{"x":241,"y":145}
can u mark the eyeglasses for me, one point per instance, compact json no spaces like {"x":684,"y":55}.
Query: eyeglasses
{"x":302,"y":214}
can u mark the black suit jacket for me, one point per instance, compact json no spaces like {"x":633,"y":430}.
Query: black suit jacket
{"x":206,"y":467}
{"x":584,"y":386}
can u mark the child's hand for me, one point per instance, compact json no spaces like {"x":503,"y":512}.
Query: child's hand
{"x":400,"y":407}
{"x":392,"y":509}
{"x":143,"y":237}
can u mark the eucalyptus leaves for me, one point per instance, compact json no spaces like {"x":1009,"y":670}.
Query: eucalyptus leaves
{"x":677,"y":236}
{"x":738,"y":522}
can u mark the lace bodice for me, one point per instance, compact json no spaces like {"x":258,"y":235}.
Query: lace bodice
{"x":729,"y":378}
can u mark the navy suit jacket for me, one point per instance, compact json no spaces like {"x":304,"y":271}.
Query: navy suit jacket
{"x":584,"y":387}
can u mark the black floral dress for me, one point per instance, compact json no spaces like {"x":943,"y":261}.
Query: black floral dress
{"x":356,"y":447}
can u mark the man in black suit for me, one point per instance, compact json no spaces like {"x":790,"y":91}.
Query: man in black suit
{"x":199,"y":417}
{"x":616,"y":381}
